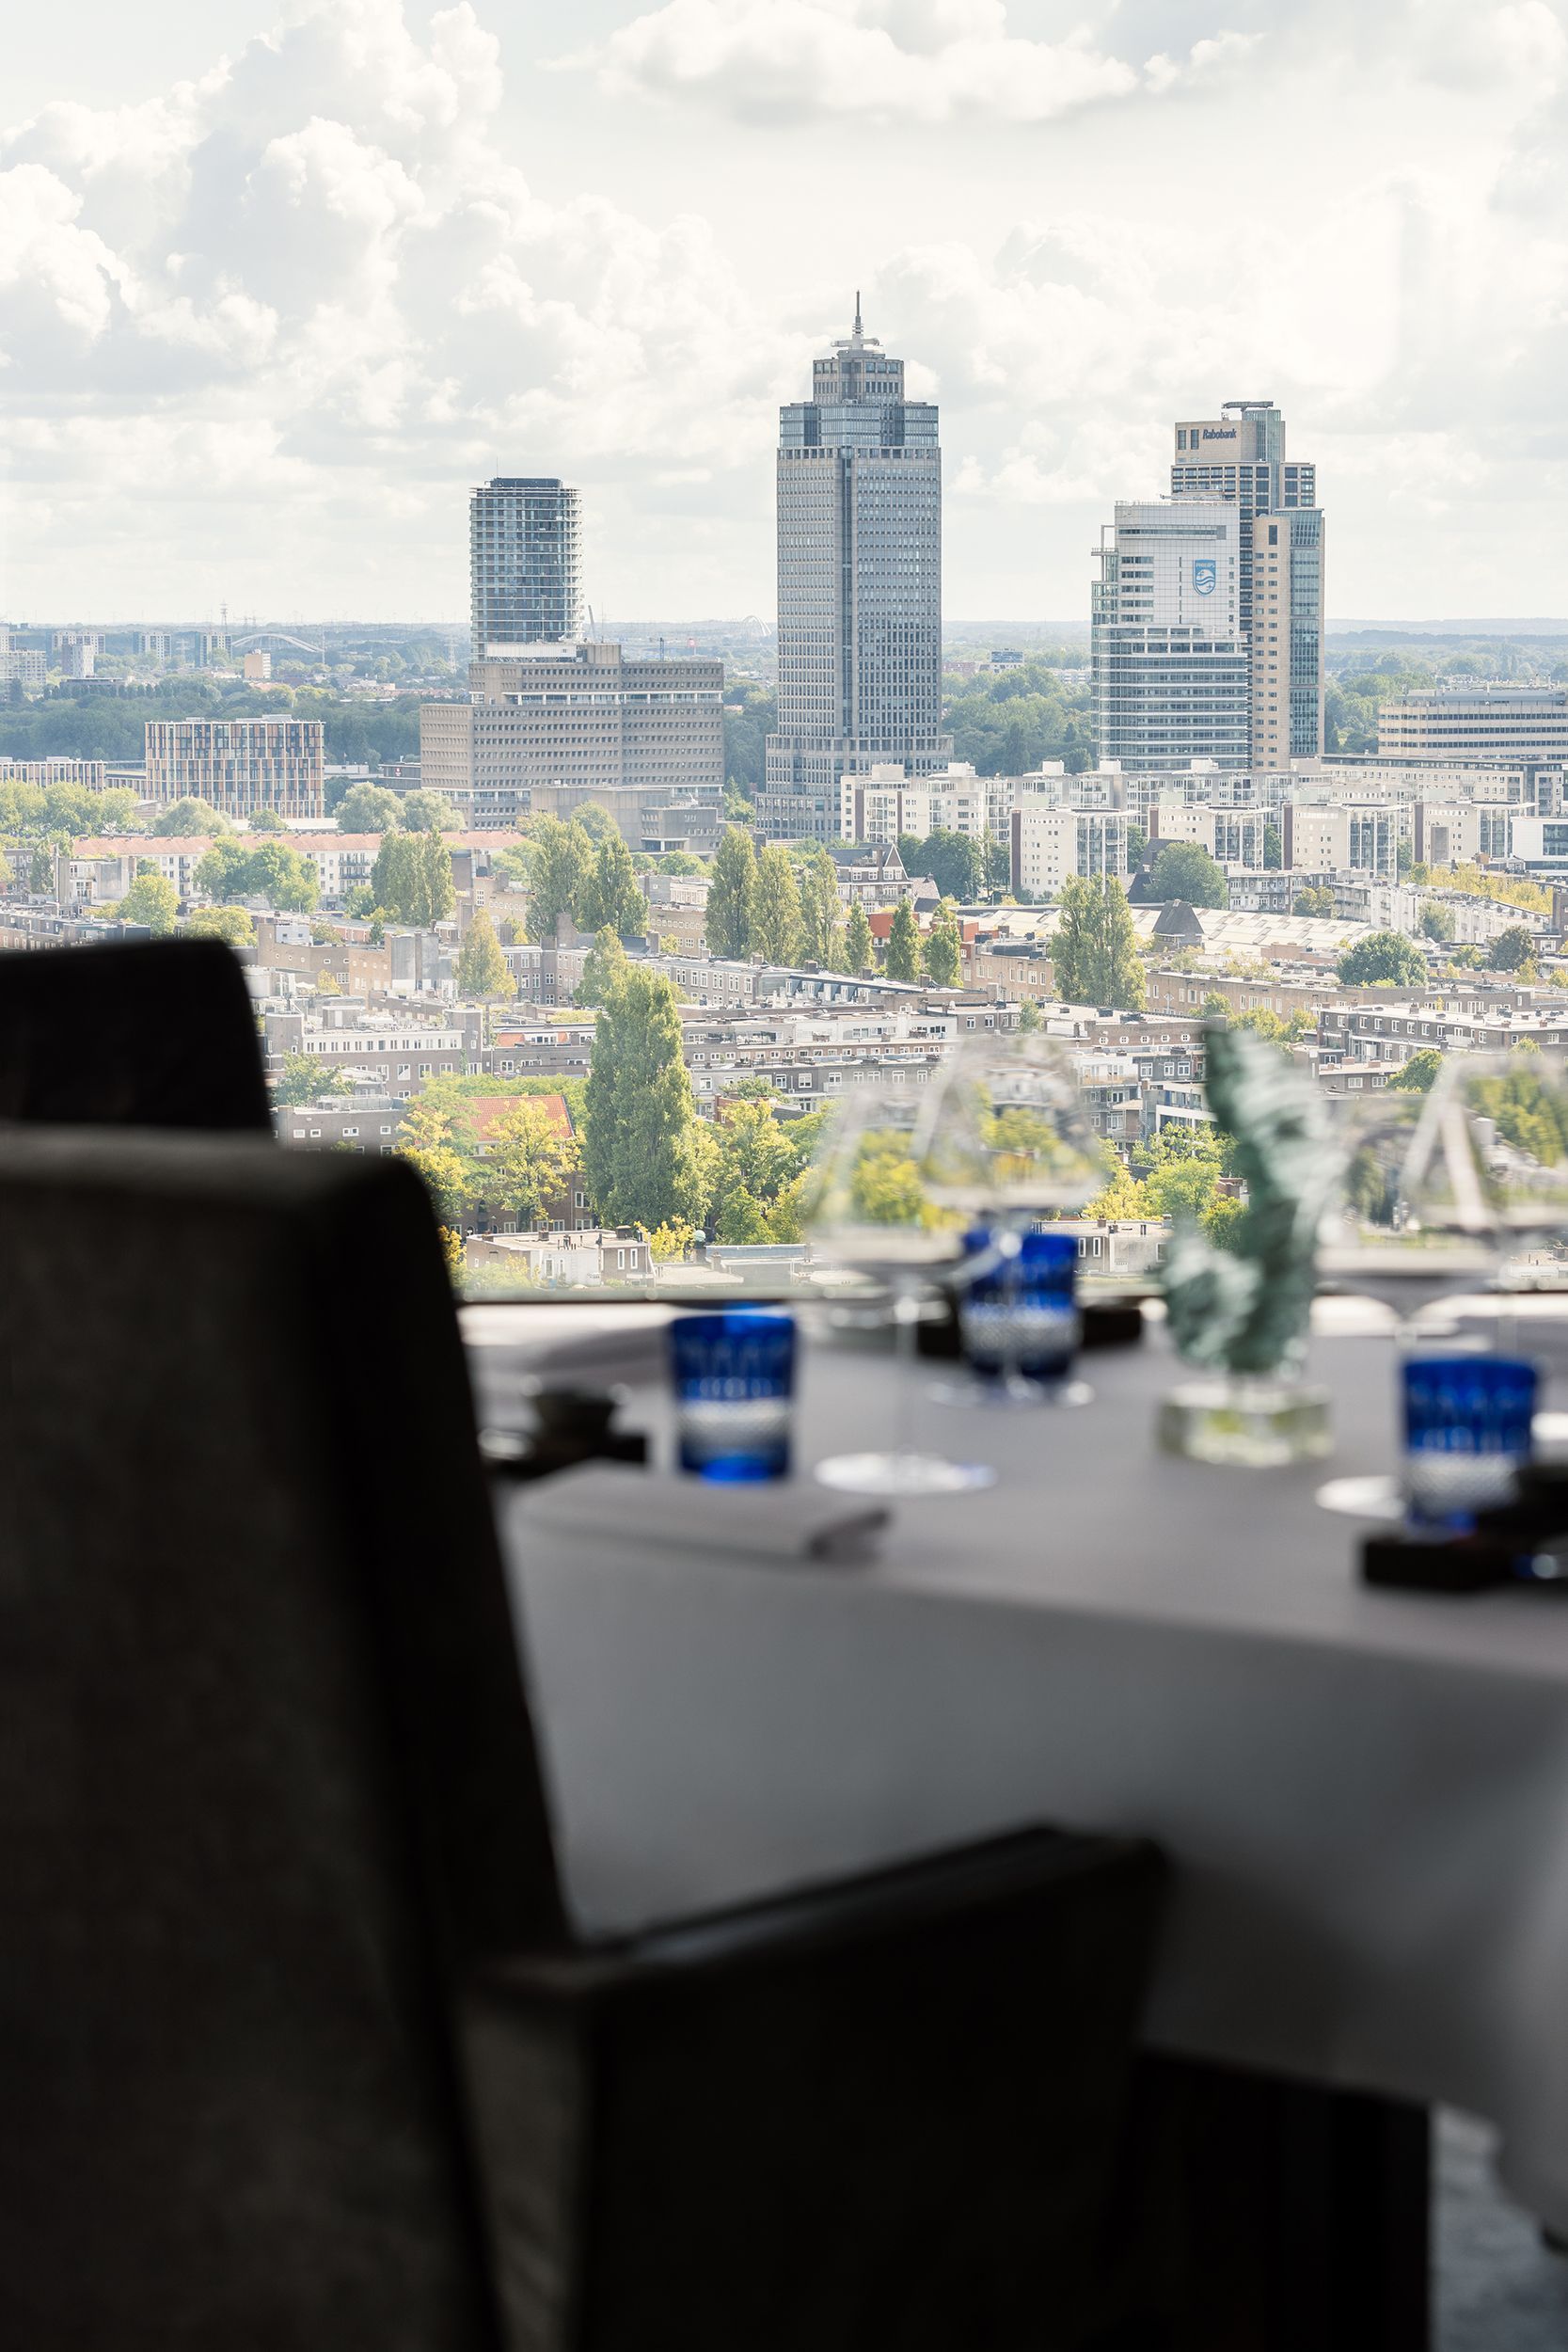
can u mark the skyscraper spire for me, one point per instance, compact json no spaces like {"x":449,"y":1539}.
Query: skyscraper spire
{"x":858,"y":329}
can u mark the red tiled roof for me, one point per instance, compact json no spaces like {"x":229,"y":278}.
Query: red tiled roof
{"x":485,"y":1112}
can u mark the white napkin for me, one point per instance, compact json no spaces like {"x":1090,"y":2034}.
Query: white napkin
{"x":784,"y":1521}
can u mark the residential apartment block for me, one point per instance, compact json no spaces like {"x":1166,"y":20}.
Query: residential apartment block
{"x":525,"y":562}
{"x":1051,"y":845}
{"x":238,"y":765}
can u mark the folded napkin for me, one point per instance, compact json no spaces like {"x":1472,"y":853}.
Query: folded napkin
{"x":785,"y":1522}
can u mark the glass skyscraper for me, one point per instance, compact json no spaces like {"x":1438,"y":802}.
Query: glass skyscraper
{"x":859,"y":588}
{"x":1240,"y":456}
{"x":525,"y":562}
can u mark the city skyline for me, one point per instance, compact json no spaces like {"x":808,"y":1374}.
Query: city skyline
{"x":265,"y":317}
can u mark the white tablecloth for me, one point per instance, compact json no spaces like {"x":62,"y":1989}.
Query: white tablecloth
{"x":1365,"y":1796}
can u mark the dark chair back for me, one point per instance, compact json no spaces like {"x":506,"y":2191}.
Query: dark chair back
{"x":268,"y":1772}
{"x":152,"y":1033}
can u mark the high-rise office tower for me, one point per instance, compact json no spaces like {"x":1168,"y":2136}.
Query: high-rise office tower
{"x":859,"y":588}
{"x":525,"y":562}
{"x":1240,"y":456}
{"x":1168,"y":658}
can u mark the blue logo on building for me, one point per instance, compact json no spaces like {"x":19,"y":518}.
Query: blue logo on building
{"x":1205,"y":575}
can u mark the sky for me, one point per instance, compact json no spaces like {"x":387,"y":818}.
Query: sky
{"x":281,"y":279}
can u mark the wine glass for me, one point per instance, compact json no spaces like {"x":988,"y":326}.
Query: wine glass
{"x":874,"y":1206}
{"x":1496,"y":1151}
{"x":1494,"y":1155}
{"x":1018,"y":1093}
{"x":1390,"y":1235}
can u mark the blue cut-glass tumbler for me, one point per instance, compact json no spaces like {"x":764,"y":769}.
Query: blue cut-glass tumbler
{"x":734,"y":1379}
{"x":1467,"y":1423}
{"x":1018,"y":1318}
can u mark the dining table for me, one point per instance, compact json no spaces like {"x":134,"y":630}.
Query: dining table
{"x":1363,"y":1793}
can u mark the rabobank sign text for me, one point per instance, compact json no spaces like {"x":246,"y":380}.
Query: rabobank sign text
{"x":1219,"y":432}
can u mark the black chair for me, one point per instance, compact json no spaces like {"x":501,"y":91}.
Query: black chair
{"x":151,"y":1033}
{"x":298,"y":2050}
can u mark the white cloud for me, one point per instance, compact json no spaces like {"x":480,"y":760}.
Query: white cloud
{"x":262,"y":331}
{"x":916,"y":61}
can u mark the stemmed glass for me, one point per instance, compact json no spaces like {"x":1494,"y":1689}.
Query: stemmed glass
{"x":1396,"y":1233}
{"x":1430,"y":1183}
{"x":1492,"y":1155}
{"x":881,"y":1203}
{"x":1040,"y":1158}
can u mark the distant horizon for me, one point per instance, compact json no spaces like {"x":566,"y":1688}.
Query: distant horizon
{"x":609,"y":629}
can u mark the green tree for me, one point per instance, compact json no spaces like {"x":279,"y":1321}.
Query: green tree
{"x":233,"y":924}
{"x":1123,"y":1196}
{"x":425,"y":812}
{"x":821,"y":938}
{"x":440,"y":890}
{"x":369,"y":808}
{"x":954,"y":863}
{"x":1274,"y":847}
{"x":1382,"y":956}
{"x":529,"y":1162}
{"x":561,"y":864}
{"x":902,"y":960}
{"x":860,"y":952}
{"x":425,"y":1141}
{"x":884,"y":1185}
{"x":151,"y":900}
{"x":482,"y":971}
{"x":395,"y":882}
{"x":597,"y":821}
{"x":944,"y":948}
{"x":304,"y":1079}
{"x":1511,"y":949}
{"x":1222,"y":1220}
{"x":219,"y":874}
{"x":1094,"y":952}
{"x":285,"y":877}
{"x":640,"y":1152}
{"x":1314,"y":898}
{"x":189,"y":819}
{"x":776,"y":909}
{"x":412,"y":878}
{"x":1029,"y":1016}
{"x":1181,"y":1187}
{"x":732,"y":895}
{"x":1438,"y":920}
{"x":22,"y":805}
{"x":1419,"y":1072}
{"x":604,"y":967}
{"x":998,"y":856}
{"x":759,"y":1163}
{"x":610,"y":899}
{"x":266,"y":820}
{"x":741,"y":1217}
{"x":76,"y":809}
{"x":1183,"y":870}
